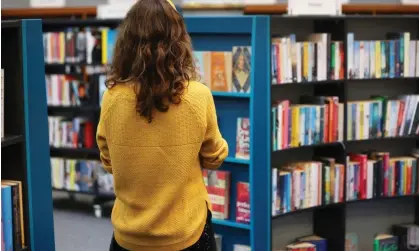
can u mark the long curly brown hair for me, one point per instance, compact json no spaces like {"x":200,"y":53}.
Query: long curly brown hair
{"x":153,"y":50}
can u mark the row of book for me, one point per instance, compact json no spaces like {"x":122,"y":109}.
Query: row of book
{"x":64,"y":90}
{"x":12,"y":220}
{"x":225,"y":71}
{"x":218,"y":188}
{"x":78,"y":175}
{"x":323,"y":181}
{"x":71,"y":132}
{"x":375,"y":174}
{"x":403,"y":237}
{"x":383,"y":116}
{"x":397,"y":56}
{"x":316,"y":59}
{"x":89,"y":46}
{"x":307,"y":184}
{"x":318,"y":120}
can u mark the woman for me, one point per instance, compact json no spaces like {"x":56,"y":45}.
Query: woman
{"x":157,"y":129}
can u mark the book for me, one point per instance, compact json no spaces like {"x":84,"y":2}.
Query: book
{"x":7,"y":216}
{"x":218,"y":188}
{"x":18,"y":220}
{"x":319,"y":242}
{"x":238,"y":247}
{"x":241,"y":69}
{"x":303,"y":246}
{"x":203,"y":66}
{"x":243,"y":138}
{"x":243,"y":203}
{"x":407,"y":235}
{"x":102,"y":88}
{"x":351,"y":242}
{"x":221,"y":70}
{"x":218,"y":242}
{"x":65,"y":90}
{"x":385,"y":242}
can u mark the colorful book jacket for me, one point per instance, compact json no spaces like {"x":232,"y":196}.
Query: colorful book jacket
{"x":221,"y":64}
{"x":7,"y":216}
{"x":218,"y":188}
{"x":243,"y":138}
{"x":241,"y":69}
{"x":243,"y":203}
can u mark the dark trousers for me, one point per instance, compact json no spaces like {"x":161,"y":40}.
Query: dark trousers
{"x":205,"y":243}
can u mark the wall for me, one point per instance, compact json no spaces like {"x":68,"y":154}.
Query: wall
{"x":25,"y":3}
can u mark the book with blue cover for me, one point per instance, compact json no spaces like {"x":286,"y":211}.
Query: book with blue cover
{"x":7,"y":216}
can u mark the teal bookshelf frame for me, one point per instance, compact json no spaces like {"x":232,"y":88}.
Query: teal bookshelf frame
{"x":26,"y":128}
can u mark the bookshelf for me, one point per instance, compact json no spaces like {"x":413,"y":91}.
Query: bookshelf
{"x":267,"y":232}
{"x":25,"y":155}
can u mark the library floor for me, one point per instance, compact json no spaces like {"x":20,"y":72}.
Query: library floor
{"x":76,"y":228}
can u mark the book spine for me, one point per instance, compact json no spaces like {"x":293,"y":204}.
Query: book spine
{"x":7,"y":217}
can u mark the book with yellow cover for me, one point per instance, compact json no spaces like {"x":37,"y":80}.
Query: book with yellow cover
{"x":221,"y":69}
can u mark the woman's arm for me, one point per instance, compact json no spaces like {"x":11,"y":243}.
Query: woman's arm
{"x":214,"y":149}
{"x":101,"y":135}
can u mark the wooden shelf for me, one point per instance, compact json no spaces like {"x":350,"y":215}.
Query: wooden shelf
{"x":278,"y":9}
{"x":373,"y":9}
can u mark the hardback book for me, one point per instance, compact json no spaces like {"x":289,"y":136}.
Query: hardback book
{"x":243,"y":138}
{"x":17,"y":196}
{"x":351,"y":242}
{"x":203,"y":67}
{"x":218,"y":242}
{"x":385,"y":242}
{"x":319,"y":242}
{"x":221,"y":65}
{"x":2,"y":103}
{"x":408,"y":236}
{"x":241,"y":69}
{"x":243,"y":203}
{"x":218,"y":188}
{"x":303,"y":246}
{"x":238,"y":247}
{"x":7,"y":216}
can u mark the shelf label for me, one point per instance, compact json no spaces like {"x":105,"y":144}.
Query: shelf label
{"x":46,"y":3}
{"x":315,"y":7}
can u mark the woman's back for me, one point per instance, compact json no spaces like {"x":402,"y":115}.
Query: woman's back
{"x":160,"y":194}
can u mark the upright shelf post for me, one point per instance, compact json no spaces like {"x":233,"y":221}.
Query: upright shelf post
{"x":36,"y":135}
{"x":260,"y":144}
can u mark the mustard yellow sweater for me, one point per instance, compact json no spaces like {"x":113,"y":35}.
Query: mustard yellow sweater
{"x":160,"y":194}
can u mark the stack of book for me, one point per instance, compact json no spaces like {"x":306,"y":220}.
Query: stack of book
{"x":89,"y":46}
{"x":397,"y":56}
{"x":316,"y":59}
{"x":225,"y":71}
{"x":63,"y":90}
{"x":71,"y":133}
{"x":12,"y":221}
{"x":308,"y":243}
{"x":307,"y":184}
{"x":318,"y":120}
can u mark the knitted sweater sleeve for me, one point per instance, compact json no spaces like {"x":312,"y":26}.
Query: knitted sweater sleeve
{"x":214,"y":148}
{"x":101,"y":134}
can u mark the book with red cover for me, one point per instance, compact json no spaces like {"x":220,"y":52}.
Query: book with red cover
{"x":243,"y":138}
{"x":218,"y":188}
{"x":362,"y":159}
{"x":243,"y":203}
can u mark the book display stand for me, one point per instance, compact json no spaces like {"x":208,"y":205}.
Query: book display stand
{"x":25,"y":152}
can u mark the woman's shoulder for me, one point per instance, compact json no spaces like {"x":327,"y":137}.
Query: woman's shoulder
{"x":196,"y":88}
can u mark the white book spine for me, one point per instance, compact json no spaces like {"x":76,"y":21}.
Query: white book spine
{"x":350,"y":49}
{"x":406,"y":53}
{"x":340,"y":122}
{"x":412,"y":58}
{"x":361,"y":59}
{"x":274,"y":190}
{"x":279,"y":128}
{"x":358,"y":117}
{"x":289,"y":61}
{"x":299,"y":64}
{"x":349,"y":122}
{"x":370,"y":179}
{"x":318,"y":120}
{"x":417,"y":58}
{"x":387,"y":127}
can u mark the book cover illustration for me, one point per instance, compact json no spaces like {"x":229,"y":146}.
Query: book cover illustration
{"x":202,"y":67}
{"x":351,"y":242}
{"x":84,"y":176}
{"x":243,"y":203}
{"x":104,"y":180}
{"x":241,"y":69}
{"x":221,"y":71}
{"x":243,"y":138}
{"x":385,"y":242}
{"x":102,"y":87}
{"x":218,"y":188}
